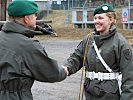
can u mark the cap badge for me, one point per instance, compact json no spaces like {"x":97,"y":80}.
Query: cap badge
{"x":105,"y":7}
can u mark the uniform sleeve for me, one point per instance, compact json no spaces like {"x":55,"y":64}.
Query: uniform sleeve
{"x":126,"y":68}
{"x":75,"y":62}
{"x":41,"y":66}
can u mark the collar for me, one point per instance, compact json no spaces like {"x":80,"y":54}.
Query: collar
{"x":111,"y":32}
{"x":14,"y":27}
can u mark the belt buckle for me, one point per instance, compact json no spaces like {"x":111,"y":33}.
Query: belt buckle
{"x":100,"y":76}
{"x":92,"y":75}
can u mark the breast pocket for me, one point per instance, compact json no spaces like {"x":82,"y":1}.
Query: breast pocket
{"x":108,"y":56}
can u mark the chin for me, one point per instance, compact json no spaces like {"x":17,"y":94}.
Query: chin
{"x":32,"y":28}
{"x":99,"y":30}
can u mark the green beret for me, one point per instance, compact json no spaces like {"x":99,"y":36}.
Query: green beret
{"x":103,"y":9}
{"x":22,"y":7}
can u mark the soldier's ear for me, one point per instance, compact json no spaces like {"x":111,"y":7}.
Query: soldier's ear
{"x":26,"y":20}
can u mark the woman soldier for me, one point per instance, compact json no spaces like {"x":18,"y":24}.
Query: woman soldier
{"x":108,"y":55}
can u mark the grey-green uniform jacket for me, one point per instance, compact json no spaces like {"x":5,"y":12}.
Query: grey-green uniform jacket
{"x":23,"y":60}
{"x":117,"y":53}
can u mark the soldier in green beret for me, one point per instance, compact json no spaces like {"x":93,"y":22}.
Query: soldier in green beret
{"x":107,"y":57}
{"x":22,"y":59}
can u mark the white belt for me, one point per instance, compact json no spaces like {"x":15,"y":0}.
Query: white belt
{"x":101,"y":76}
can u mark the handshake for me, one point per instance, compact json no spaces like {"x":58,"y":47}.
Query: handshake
{"x":66,"y":69}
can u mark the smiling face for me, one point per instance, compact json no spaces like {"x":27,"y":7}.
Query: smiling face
{"x":102,"y":23}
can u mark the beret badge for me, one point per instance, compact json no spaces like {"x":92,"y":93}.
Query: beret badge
{"x":105,"y":7}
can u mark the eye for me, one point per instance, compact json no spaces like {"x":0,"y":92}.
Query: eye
{"x":95,"y":18}
{"x":35,"y":14}
{"x":101,"y":17}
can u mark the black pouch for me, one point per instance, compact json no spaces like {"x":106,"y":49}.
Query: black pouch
{"x":110,"y":86}
{"x":99,"y":88}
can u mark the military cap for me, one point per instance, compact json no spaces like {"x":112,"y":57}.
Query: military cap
{"x":22,"y":7}
{"x":104,"y":9}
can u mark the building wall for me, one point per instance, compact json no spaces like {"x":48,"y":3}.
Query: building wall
{"x":72,"y":3}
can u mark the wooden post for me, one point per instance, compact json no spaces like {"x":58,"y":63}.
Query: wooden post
{"x":3,"y":9}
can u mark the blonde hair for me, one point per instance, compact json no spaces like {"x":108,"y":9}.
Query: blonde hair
{"x":112,"y":15}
